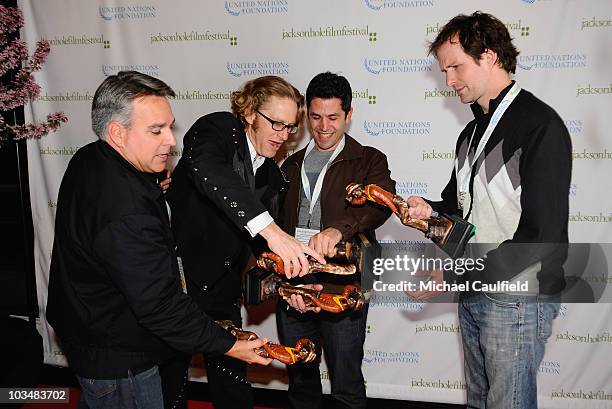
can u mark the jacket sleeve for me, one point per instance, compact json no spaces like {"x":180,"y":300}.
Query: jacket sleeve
{"x":370,"y":216}
{"x":448,"y":204}
{"x":137,"y":260}
{"x":208,"y":155}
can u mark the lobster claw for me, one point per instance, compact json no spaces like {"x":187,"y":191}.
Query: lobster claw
{"x":272,"y":262}
{"x":356,"y":195}
{"x":351,"y":298}
{"x":304,"y":350}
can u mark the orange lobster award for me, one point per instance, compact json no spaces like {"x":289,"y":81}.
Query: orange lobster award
{"x":273,"y":262}
{"x":304,"y":350}
{"x":450,"y":232}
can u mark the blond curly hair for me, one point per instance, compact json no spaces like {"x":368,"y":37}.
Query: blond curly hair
{"x":256,"y":92}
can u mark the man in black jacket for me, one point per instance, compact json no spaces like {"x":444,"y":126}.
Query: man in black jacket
{"x":225,"y":192}
{"x":115,"y":298}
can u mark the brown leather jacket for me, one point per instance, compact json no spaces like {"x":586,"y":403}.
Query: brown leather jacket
{"x":356,"y":163}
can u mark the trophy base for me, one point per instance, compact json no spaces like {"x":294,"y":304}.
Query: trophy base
{"x":454,"y":242}
{"x":260,"y":285}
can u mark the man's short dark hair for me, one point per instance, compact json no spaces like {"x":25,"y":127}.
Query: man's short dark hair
{"x":113,"y":98}
{"x":328,"y":85}
{"x":477,"y":33}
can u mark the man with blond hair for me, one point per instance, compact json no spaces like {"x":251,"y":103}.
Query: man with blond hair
{"x":225,"y":193}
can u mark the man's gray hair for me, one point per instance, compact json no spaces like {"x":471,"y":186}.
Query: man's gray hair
{"x":113,"y":98}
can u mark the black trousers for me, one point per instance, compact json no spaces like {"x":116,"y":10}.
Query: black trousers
{"x":227,"y":382}
{"x":174,"y":376}
{"x":229,"y":388}
{"x":342,"y":337}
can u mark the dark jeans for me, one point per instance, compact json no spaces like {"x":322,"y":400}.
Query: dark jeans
{"x":342,"y":337}
{"x":142,"y":390}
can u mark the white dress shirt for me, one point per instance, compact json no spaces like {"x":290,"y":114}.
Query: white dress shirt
{"x":261,"y":221}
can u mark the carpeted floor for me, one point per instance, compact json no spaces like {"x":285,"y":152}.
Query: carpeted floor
{"x":74,"y":400}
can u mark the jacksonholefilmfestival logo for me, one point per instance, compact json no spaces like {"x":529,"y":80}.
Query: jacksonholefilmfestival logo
{"x":79,"y":39}
{"x":596,"y":22}
{"x":365,"y":94}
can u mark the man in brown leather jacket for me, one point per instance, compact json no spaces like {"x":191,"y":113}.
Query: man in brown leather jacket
{"x":315,"y":212}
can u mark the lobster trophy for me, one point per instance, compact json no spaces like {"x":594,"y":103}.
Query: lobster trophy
{"x":449,"y":232}
{"x":273,"y":262}
{"x":304,"y":350}
{"x":351,"y":298}
{"x":434,"y":228}
{"x":266,"y":280}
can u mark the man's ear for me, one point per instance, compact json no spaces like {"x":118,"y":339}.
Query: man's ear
{"x":489,"y":57}
{"x":249,"y":117}
{"x":349,"y":115}
{"x":116,"y":134}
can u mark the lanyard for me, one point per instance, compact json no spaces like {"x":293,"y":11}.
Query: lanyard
{"x":464,"y":176}
{"x":319,"y":183}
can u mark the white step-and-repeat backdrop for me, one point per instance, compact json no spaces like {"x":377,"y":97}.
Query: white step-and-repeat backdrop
{"x":206,"y":49}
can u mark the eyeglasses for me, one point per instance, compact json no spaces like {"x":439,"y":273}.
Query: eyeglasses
{"x":279,"y":126}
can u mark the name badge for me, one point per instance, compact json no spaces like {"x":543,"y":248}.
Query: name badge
{"x":303,"y":235}
{"x":182,"y":275}
{"x":461,"y":199}
{"x":464,"y":202}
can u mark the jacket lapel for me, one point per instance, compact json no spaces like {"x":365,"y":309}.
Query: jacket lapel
{"x":242,"y":159}
{"x":353,"y":150}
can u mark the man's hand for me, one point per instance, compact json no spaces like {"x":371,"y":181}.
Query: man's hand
{"x":436,"y":276}
{"x":297,"y":301}
{"x":290,"y":250}
{"x":325,"y":241}
{"x":165,"y":182}
{"x":245,"y":351}
{"x":419,"y":208}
